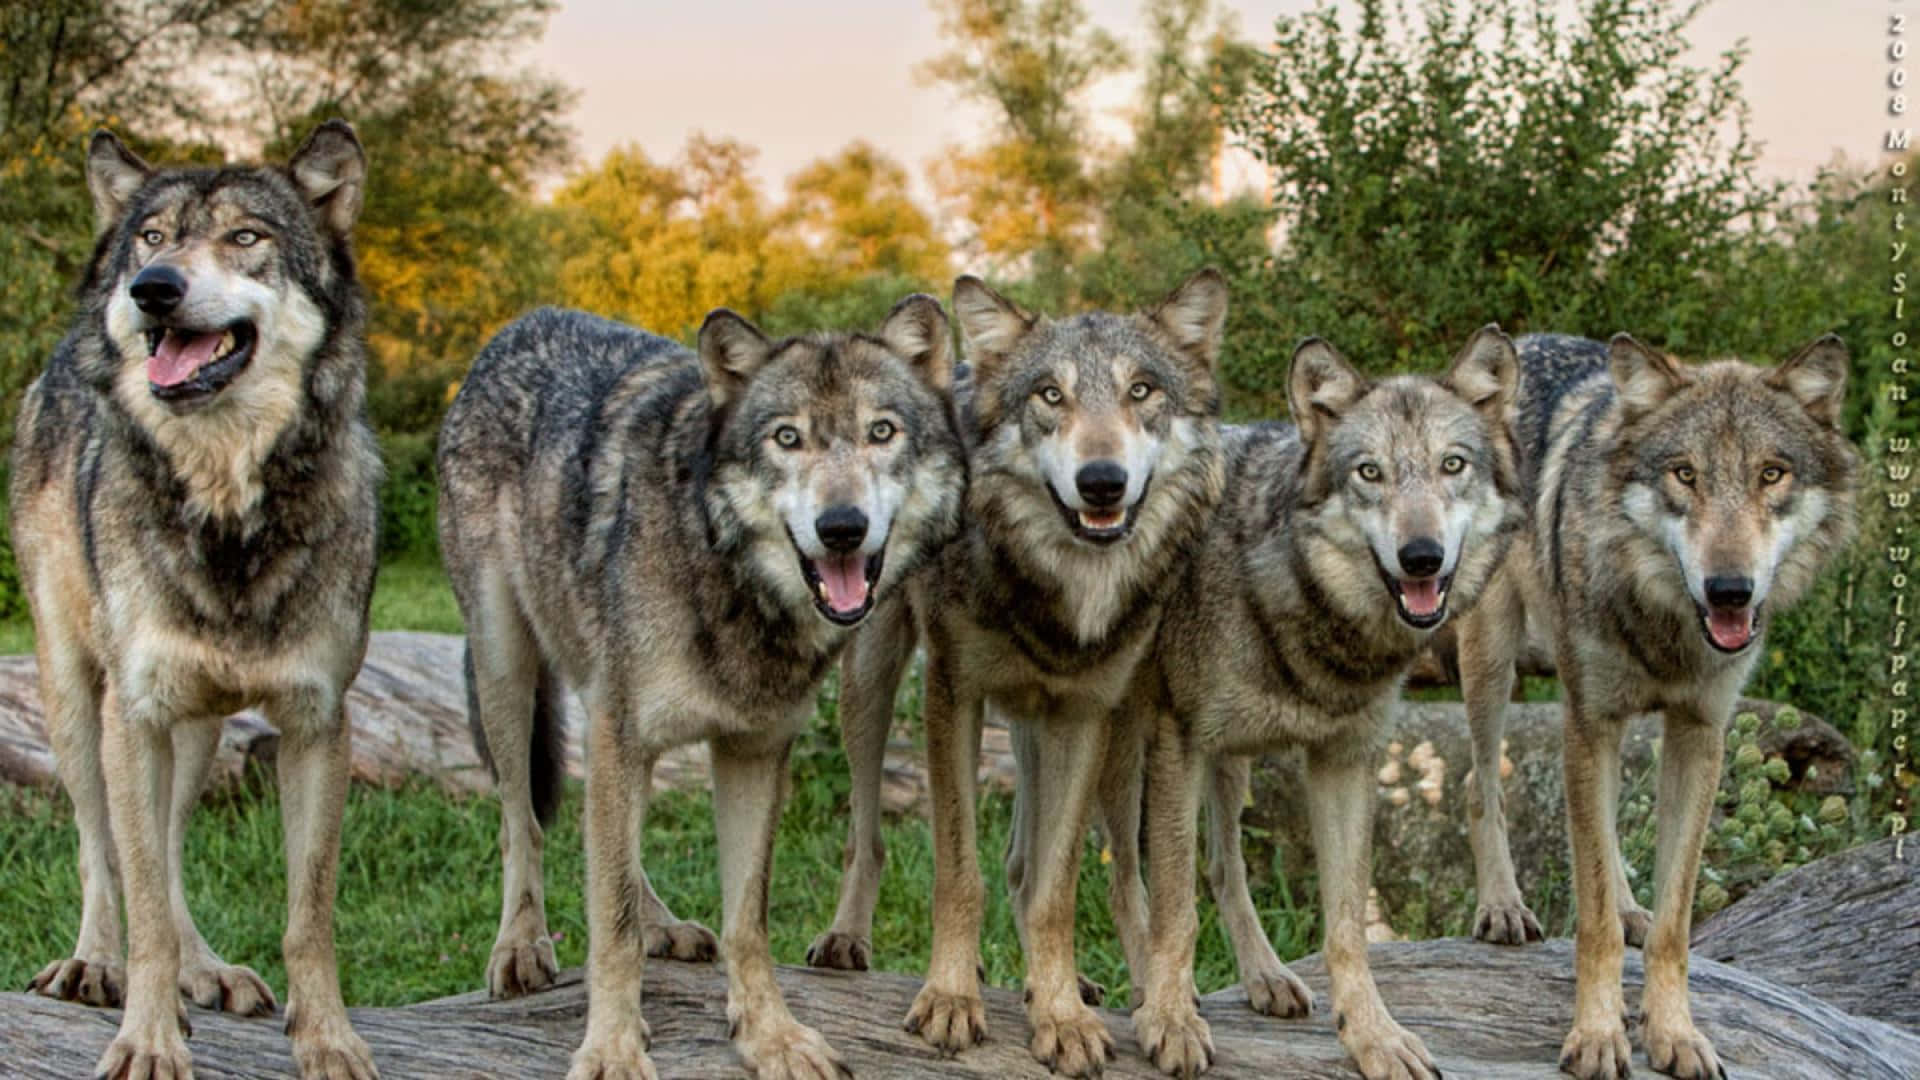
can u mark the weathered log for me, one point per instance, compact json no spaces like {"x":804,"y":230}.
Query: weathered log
{"x":1845,"y":928}
{"x":1484,"y":1011}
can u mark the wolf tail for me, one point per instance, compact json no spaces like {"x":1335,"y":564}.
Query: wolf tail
{"x":547,"y":756}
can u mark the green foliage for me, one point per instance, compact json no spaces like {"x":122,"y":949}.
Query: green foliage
{"x":409,"y":510}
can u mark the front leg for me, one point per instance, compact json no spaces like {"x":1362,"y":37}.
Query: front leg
{"x":1596,"y":1048}
{"x":615,"y":1045}
{"x":1340,"y":804}
{"x":1272,"y":987}
{"x":136,"y":754}
{"x":1490,"y":639}
{"x":1691,"y":747}
{"x":314,"y":765}
{"x":1068,"y":1037}
{"x":1171,"y":1031}
{"x":205,"y":979}
{"x":749,"y":787}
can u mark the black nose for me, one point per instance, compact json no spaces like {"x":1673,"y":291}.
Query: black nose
{"x":1102,"y":483}
{"x":841,"y":528}
{"x":1729,"y":591}
{"x":158,"y":289}
{"x":1422,"y":557}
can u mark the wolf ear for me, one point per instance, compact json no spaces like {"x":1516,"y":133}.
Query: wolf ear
{"x":330,"y":169}
{"x":1643,"y":377}
{"x":1816,"y":376}
{"x":731,"y":350}
{"x":917,"y":329}
{"x":114,"y":173}
{"x":1486,"y":375}
{"x":990,"y":323}
{"x":1195,"y":315}
{"x":1320,"y":386}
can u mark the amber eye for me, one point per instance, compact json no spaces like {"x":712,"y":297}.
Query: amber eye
{"x":1772,"y":474}
{"x":245,"y":237}
{"x":881,"y":431}
{"x":1370,"y":473}
{"x":1141,"y":390}
{"x":153,"y":237}
{"x":1684,"y":474}
{"x":1452,"y":463}
{"x":1052,"y":395}
{"x":787,"y":436}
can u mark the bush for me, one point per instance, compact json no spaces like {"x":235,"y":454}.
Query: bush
{"x":409,"y":510}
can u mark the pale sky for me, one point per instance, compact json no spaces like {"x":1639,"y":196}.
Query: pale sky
{"x":800,"y":80}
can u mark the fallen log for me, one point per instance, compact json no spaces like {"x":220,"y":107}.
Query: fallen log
{"x":1485,"y":1011}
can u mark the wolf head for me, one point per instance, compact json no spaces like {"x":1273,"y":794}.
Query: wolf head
{"x":1412,"y":479}
{"x":1083,"y":422}
{"x":837,"y":464}
{"x":1737,"y":476}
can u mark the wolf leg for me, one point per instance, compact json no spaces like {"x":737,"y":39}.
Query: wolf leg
{"x":70,"y":689}
{"x":137,"y":757}
{"x":1635,"y":920}
{"x":314,"y":762}
{"x":670,"y":937}
{"x":1272,"y":988}
{"x":1596,"y":1048}
{"x":205,"y":979}
{"x":870,"y":673}
{"x":749,"y":788}
{"x":1168,"y":1023}
{"x":1490,"y":639}
{"x":1122,"y":785}
{"x":1690,"y":753}
{"x":1340,"y":806}
{"x":1068,"y":1037}
{"x":949,"y":1011}
{"x":615,"y":1044}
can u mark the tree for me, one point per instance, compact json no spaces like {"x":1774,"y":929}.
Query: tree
{"x":854,"y":210}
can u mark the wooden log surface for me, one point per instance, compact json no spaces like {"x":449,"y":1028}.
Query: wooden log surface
{"x":1485,"y":1012}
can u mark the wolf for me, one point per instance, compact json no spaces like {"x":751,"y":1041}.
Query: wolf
{"x":1345,"y":541}
{"x":1093,"y":449}
{"x":193,"y":505}
{"x":1673,"y":511}
{"x":686,"y":539}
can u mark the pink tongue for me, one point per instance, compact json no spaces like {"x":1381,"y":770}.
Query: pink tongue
{"x":845,"y":577}
{"x":1730,"y":629}
{"x":179,"y":356}
{"x":1421,"y":596}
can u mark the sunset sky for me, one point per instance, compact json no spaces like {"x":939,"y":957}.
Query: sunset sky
{"x":799,"y":80}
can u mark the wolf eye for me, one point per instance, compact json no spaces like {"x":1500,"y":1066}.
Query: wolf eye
{"x":1452,"y":463}
{"x":1140,"y":390}
{"x":787,"y":436}
{"x":881,"y":431}
{"x":1772,"y":474}
{"x":153,"y":237}
{"x":1370,"y":473}
{"x":244,"y":237}
{"x":1052,"y":395}
{"x":1684,"y":474}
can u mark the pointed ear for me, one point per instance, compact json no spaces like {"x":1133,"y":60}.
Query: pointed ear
{"x":918,"y":330}
{"x":114,"y":173}
{"x":731,"y":350}
{"x":1195,"y":315}
{"x":330,"y":169}
{"x":990,"y":323}
{"x":1816,"y":376}
{"x":1321,"y":385}
{"x":1486,"y":375}
{"x":1643,"y":377}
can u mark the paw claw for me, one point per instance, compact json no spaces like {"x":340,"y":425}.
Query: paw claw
{"x":950,"y":1021}
{"x":228,"y":988}
{"x":1635,"y":925}
{"x":1178,"y":1042}
{"x":686,"y":941}
{"x":1506,"y":922}
{"x":1597,"y":1052}
{"x":84,"y":982}
{"x":518,"y":968}
{"x":1073,"y":1041}
{"x":1277,"y":991}
{"x":840,"y":951}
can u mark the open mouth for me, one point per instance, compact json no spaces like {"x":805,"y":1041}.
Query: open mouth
{"x":1730,"y":629}
{"x":186,"y":365}
{"x":842,"y":585}
{"x":1101,"y":525}
{"x":1421,"y":602}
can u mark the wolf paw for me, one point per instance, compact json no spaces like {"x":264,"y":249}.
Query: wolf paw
{"x":1506,"y":922}
{"x":1277,"y":991}
{"x":788,"y":1051}
{"x":1389,"y":1052}
{"x":518,"y":968}
{"x":684,"y":940}
{"x":333,"y":1051}
{"x":1682,"y":1052}
{"x":230,"y":988}
{"x":1635,"y":924}
{"x":1072,"y":1041}
{"x":82,"y":981}
{"x":841,"y":951}
{"x":156,"y":1054}
{"x":617,"y":1057}
{"x":951,"y":1022}
{"x":1177,"y":1041}
{"x":1597,"y":1051}
{"x":1092,"y":994}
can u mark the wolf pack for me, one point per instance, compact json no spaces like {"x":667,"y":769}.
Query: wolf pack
{"x":1052,"y":513}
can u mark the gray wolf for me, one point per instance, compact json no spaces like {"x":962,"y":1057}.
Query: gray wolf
{"x":686,"y":540}
{"x":1093,"y":448}
{"x":1345,"y":541}
{"x":193,"y":505}
{"x":1674,"y":510}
